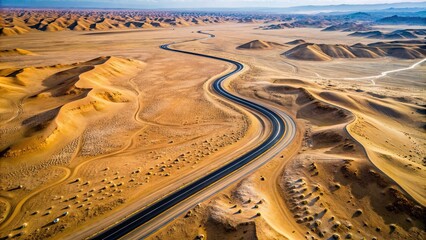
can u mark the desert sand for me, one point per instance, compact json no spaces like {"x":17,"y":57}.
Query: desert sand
{"x":21,"y":21}
{"x":96,"y":124}
{"x":326,"y":52}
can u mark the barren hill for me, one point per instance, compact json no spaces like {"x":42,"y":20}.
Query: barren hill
{"x":397,"y":34}
{"x":325,"y":52}
{"x":296,"y":42}
{"x":258,"y":44}
{"x":348,"y":27}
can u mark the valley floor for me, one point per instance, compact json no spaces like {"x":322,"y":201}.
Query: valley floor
{"x":95,"y":126}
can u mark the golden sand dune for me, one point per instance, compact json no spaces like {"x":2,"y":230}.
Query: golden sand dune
{"x":307,"y":51}
{"x":385,"y":115}
{"x":43,"y":112}
{"x":258,"y":44}
{"x":49,"y":20}
{"x":13,"y":25}
{"x":325,"y":52}
{"x":66,"y":96}
{"x":15,"y":52}
{"x":323,"y":114}
{"x":405,"y":53}
{"x":14,"y":30}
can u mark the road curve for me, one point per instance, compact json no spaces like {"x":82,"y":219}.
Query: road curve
{"x":277,"y":133}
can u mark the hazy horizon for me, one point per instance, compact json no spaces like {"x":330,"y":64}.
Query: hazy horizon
{"x":193,"y":4}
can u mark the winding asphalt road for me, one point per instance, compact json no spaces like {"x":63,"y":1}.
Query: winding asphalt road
{"x":278,"y":136}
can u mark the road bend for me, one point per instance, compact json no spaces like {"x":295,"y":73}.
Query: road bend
{"x":144,"y":222}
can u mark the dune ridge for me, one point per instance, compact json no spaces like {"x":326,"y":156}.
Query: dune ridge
{"x":258,"y":44}
{"x":296,"y":42}
{"x":348,"y":27}
{"x":15,"y":52}
{"x":397,"y":34}
{"x":326,"y":52}
{"x":299,"y":23}
{"x":21,"y":22}
{"x":73,"y":93}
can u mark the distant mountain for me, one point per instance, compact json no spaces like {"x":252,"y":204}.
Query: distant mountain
{"x":366,"y":34}
{"x":349,"y":27}
{"x":412,"y":6}
{"x":397,"y":34}
{"x":212,"y":6}
{"x":395,"y":20}
{"x":359,"y":16}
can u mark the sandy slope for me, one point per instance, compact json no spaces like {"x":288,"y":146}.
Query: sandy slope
{"x":326,"y":52}
{"x":64,"y":97}
{"x":259,"y":44}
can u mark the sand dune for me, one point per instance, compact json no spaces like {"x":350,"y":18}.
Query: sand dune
{"x":399,"y":20}
{"x":326,"y":138}
{"x":405,"y":53}
{"x":365,"y":34}
{"x":299,"y":23}
{"x":296,"y":42}
{"x":337,"y":51}
{"x":277,"y":26}
{"x":73,"y":93}
{"x":326,"y":52}
{"x":258,"y":44}
{"x":102,"y":24}
{"x":410,"y":49}
{"x":348,"y":27}
{"x":15,"y":52}
{"x":367,"y":53}
{"x":52,"y":20}
{"x":9,"y":31}
{"x":13,"y":25}
{"x":52,"y":27}
{"x":323,"y":114}
{"x":307,"y":51}
{"x":397,"y":34}
{"x":137,"y":24}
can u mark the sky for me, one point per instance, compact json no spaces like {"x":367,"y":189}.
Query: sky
{"x":146,"y":4}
